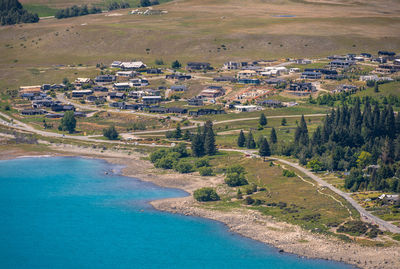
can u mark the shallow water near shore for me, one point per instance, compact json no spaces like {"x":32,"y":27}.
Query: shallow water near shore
{"x":64,"y":212}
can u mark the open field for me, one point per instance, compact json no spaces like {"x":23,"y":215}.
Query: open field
{"x":299,"y":202}
{"x":387,"y":89}
{"x":196,"y":30}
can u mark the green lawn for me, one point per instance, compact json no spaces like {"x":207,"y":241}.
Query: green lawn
{"x":387,"y":89}
{"x":41,"y":10}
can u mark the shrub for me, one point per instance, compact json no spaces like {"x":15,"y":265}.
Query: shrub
{"x":181,"y":149}
{"x":184,"y":167}
{"x":248,"y":190}
{"x":110,"y":133}
{"x":206,"y":194}
{"x":288,"y":173}
{"x":158,"y":154}
{"x":236,"y":168}
{"x":235,"y":176}
{"x":205,"y":171}
{"x":168,"y":161}
{"x":315,"y":165}
{"x":235,"y":179}
{"x":202,"y":162}
{"x":239,"y":194}
{"x":248,"y":200}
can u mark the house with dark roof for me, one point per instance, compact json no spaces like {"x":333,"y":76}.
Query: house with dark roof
{"x":195,"y":101}
{"x":302,"y":87}
{"x":120,"y":105}
{"x":202,"y":112}
{"x":254,"y":81}
{"x":160,"y":110}
{"x":100,"y":89}
{"x":154,"y":71}
{"x":151,"y":100}
{"x":116,"y":95}
{"x":32,"y":112}
{"x":179,"y":88}
{"x":195,"y":66}
{"x":177,"y":110}
{"x":270,"y":103}
{"x":224,"y":79}
{"x":275,"y":81}
{"x":105,"y":79}
{"x":341,"y":63}
{"x":61,"y":107}
{"x":311,"y":75}
{"x":176,"y":76}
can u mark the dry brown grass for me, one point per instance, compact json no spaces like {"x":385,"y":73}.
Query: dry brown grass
{"x":194,"y":30}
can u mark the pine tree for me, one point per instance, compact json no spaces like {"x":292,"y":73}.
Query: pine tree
{"x":388,"y":151}
{"x":264,"y":148}
{"x":250,"y":143}
{"x":209,"y":140}
{"x":263,"y":120}
{"x":176,"y":64}
{"x":241,"y":139}
{"x":376,"y":88}
{"x":283,"y":122}
{"x":178,"y":131}
{"x":197,"y":146}
{"x":186,"y":135}
{"x":304,"y":131}
{"x":272,"y":137}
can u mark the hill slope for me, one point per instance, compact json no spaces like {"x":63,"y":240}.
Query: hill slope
{"x":206,"y":30}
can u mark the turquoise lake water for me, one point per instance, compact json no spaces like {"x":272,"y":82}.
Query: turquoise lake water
{"x":67,"y":213}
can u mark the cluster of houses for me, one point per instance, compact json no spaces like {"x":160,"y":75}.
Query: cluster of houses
{"x":42,"y":103}
{"x":127,"y":88}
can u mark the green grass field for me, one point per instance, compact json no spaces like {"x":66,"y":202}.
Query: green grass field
{"x":41,"y":10}
{"x":387,"y":89}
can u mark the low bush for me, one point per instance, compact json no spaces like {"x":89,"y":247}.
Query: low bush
{"x":202,"y":162}
{"x":205,"y":171}
{"x":235,"y":179}
{"x":206,"y":194}
{"x":288,"y":173}
{"x":248,"y":200}
{"x":235,"y":176}
{"x":183,"y":167}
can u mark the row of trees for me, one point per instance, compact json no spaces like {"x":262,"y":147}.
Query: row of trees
{"x":12,"y":12}
{"x":118,"y":5}
{"x":76,"y":11}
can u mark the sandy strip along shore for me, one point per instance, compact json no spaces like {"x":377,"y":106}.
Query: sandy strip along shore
{"x":249,"y":223}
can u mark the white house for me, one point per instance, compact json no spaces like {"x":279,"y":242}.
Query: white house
{"x":246,"y":74}
{"x":249,"y":108}
{"x":132,"y":65}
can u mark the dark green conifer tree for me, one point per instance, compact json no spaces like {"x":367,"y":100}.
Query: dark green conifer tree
{"x":250,"y":143}
{"x":272,"y":137}
{"x":263,"y":120}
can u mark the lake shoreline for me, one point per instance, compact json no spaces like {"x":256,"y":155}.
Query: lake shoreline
{"x":248,"y":223}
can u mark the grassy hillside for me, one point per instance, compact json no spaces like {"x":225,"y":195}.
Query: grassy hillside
{"x":196,"y":30}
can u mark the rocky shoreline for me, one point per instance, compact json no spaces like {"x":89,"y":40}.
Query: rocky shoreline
{"x":249,"y":223}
